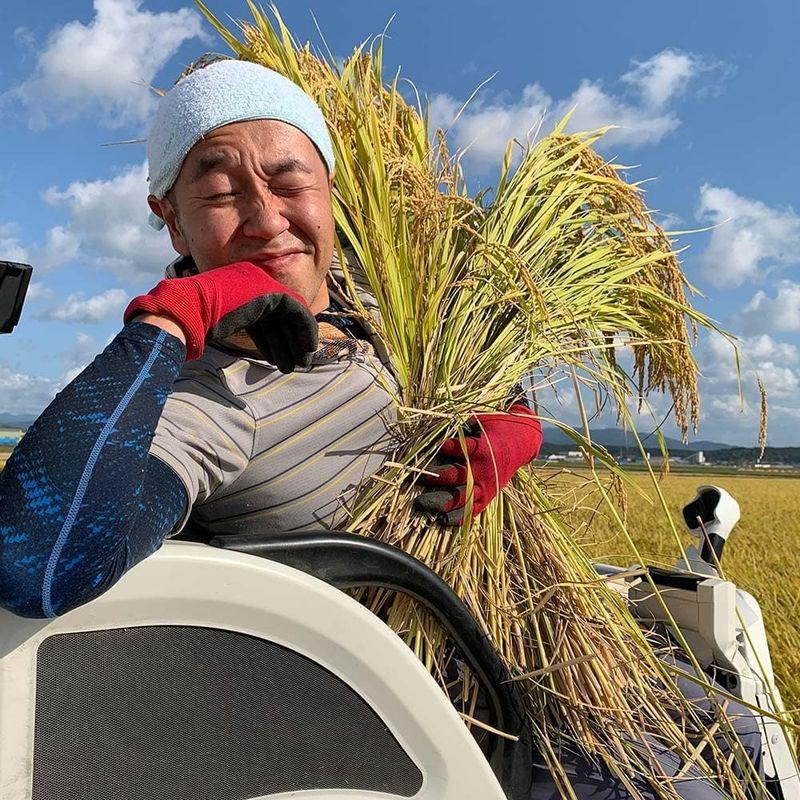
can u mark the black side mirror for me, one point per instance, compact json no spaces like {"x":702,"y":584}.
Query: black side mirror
{"x":14,"y":280}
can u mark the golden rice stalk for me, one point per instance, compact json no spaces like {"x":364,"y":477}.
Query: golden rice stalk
{"x":473,"y":297}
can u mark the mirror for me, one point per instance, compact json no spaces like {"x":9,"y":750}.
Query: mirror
{"x":14,"y":280}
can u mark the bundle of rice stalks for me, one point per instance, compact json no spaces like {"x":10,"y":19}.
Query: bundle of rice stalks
{"x":547,"y":279}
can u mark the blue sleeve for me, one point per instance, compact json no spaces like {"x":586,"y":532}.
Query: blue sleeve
{"x":81,"y":499}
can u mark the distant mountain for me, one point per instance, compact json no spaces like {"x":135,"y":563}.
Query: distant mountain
{"x":704,"y":444}
{"x":617,"y":438}
{"x":608,"y":437}
{"x":15,"y":421}
{"x":745,"y":456}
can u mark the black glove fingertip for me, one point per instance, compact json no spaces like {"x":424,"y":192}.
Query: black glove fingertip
{"x":452,"y":519}
{"x":432,"y":502}
{"x":308,"y":339}
{"x":284,"y":358}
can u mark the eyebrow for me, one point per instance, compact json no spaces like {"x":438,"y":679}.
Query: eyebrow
{"x":210,"y":161}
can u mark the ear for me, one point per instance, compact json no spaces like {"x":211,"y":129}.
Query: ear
{"x":164,"y":209}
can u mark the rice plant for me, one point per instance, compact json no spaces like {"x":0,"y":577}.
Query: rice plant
{"x":549,"y":277}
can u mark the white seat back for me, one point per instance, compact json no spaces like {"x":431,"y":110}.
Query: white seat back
{"x":207,"y":674}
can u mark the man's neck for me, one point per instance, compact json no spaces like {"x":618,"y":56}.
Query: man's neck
{"x":323,"y":299}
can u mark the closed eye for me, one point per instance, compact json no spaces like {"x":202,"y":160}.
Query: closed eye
{"x":288,"y":190}
{"x":221,"y":196}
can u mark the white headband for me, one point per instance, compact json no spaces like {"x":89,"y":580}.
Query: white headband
{"x":224,"y":92}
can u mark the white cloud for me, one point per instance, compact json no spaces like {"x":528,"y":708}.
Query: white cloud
{"x":27,"y":395}
{"x":735,"y":419}
{"x":487,"y":127}
{"x":61,"y":246}
{"x":108,"y":226}
{"x":754,"y":349}
{"x":664,"y":76}
{"x":667,"y":220}
{"x":725,"y":416}
{"x":107,"y":229}
{"x":642,"y":110}
{"x":82,"y":351}
{"x":73,"y":373}
{"x":750,"y":236}
{"x":104,"y":68}
{"x":762,"y":354}
{"x":735,"y":410}
{"x":11,"y":247}
{"x":38,"y":291}
{"x":24,"y":36}
{"x":21,"y":393}
{"x":778,"y":313}
{"x":780,"y":382}
{"x":765,"y":348}
{"x":79,"y":308}
{"x":638,"y":124}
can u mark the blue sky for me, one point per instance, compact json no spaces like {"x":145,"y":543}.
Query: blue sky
{"x":705,"y":92}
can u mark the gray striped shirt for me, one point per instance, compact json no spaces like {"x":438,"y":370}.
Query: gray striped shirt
{"x":260,"y":450}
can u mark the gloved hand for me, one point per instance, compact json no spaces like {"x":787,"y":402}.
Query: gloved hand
{"x":497,"y":446}
{"x":239,"y":297}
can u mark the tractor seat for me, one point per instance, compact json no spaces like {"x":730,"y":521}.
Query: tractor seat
{"x":211,"y":674}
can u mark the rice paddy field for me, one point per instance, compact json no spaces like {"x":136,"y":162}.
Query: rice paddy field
{"x":762,"y":555}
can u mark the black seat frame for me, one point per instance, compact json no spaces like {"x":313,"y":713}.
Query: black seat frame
{"x":348,"y":561}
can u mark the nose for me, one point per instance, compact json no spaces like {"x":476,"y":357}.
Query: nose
{"x":264,"y":214}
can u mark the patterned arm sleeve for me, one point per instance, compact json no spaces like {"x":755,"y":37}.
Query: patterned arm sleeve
{"x":81,"y":499}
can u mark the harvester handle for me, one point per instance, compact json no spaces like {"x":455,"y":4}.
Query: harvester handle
{"x":348,"y":561}
{"x":711,"y":516}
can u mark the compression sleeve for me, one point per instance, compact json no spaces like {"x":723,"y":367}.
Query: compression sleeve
{"x":81,"y":499}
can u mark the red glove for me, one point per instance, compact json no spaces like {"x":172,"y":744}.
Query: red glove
{"x":497,"y":447}
{"x":239,"y":297}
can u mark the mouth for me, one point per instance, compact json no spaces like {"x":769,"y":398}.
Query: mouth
{"x":278,"y":261}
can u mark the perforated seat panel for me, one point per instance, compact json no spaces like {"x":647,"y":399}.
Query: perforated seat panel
{"x":192,"y":713}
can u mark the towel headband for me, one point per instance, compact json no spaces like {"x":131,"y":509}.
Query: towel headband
{"x":224,"y":92}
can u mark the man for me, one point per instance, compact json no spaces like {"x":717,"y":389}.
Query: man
{"x":196,"y":408}
{"x":238,"y":394}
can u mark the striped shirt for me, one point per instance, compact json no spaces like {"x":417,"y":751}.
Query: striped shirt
{"x":257,"y":449}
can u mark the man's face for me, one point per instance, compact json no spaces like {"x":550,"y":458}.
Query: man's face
{"x":255,"y":191}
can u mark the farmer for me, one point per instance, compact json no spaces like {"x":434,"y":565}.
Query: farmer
{"x":239,"y":392}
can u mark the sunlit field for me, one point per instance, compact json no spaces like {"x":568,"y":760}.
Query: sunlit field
{"x":762,"y":555}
